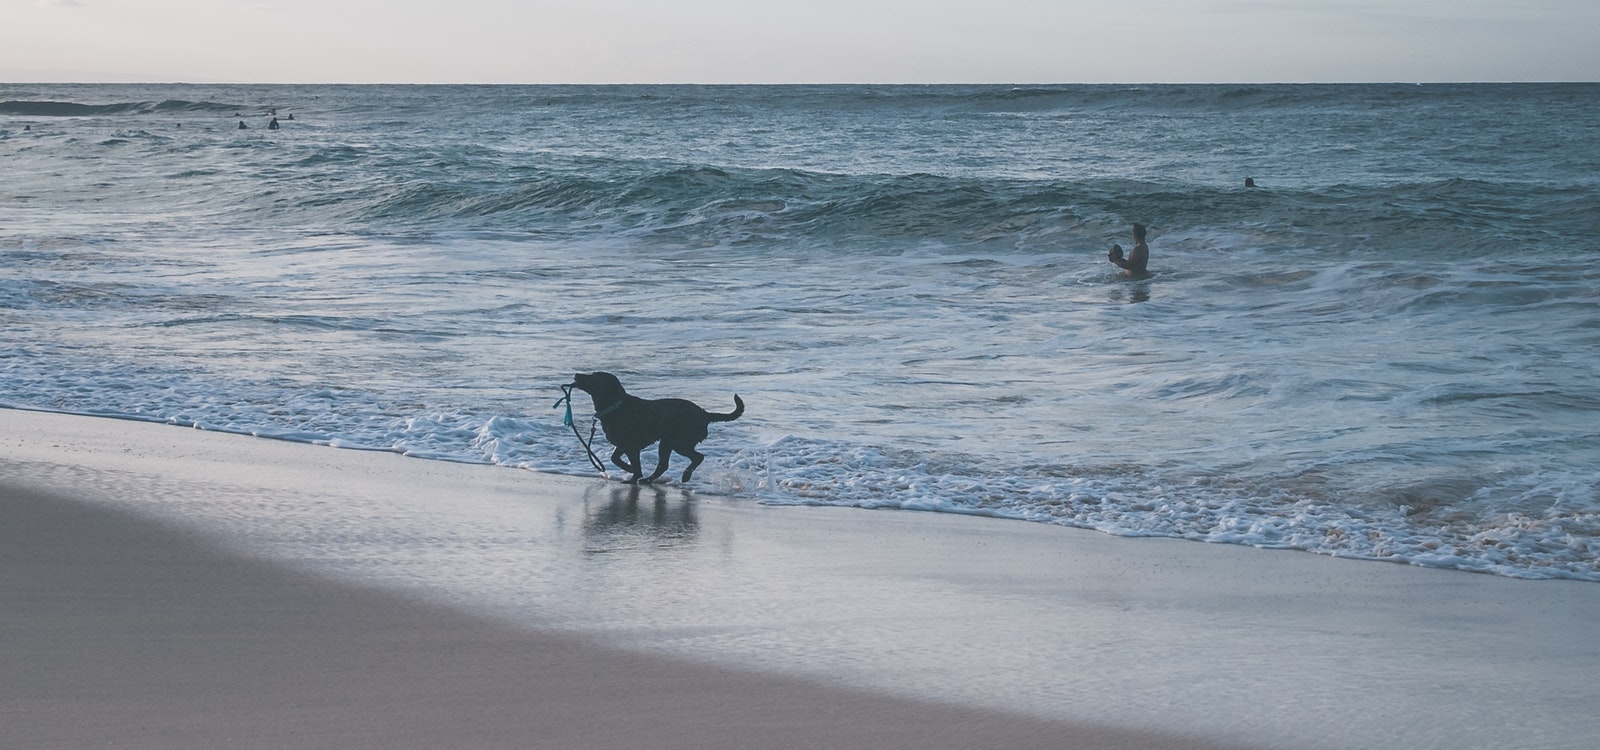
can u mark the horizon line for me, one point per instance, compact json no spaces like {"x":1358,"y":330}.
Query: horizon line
{"x":181,"y":82}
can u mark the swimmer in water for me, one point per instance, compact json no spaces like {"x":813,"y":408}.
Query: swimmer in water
{"x":1133,"y":266}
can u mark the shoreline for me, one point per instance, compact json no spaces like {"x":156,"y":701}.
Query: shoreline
{"x":705,"y":621}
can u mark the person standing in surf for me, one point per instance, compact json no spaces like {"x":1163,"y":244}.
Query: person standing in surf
{"x":1133,"y":265}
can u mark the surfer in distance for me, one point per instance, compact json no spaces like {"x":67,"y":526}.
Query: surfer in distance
{"x":1133,"y":266}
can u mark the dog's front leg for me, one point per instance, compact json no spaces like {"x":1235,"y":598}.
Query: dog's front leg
{"x":619,"y":457}
{"x":661,"y":464}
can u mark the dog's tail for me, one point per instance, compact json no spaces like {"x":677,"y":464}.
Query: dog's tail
{"x":738,"y":409}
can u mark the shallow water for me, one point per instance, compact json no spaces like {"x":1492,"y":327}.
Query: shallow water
{"x":1386,"y":350}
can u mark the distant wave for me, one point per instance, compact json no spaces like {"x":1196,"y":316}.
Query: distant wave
{"x":75,"y":109}
{"x":699,"y":204}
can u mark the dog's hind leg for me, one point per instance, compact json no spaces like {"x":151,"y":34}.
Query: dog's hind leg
{"x":695,"y":457}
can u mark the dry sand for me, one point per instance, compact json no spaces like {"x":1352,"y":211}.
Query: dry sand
{"x":143,"y":604}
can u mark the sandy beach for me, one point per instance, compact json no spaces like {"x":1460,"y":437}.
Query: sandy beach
{"x":163,"y":587}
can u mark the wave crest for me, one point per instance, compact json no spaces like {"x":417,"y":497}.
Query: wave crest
{"x":31,"y":108}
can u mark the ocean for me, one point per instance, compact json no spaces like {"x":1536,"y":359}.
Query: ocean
{"x":1384,"y":350}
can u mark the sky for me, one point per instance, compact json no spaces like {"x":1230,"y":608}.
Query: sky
{"x":798,"y":41}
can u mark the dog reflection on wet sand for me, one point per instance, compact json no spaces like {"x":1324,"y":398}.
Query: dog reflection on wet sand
{"x":638,"y":517}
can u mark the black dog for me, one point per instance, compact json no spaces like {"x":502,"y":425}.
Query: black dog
{"x":631,"y":423}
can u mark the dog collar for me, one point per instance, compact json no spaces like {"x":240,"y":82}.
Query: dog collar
{"x":608,"y":409}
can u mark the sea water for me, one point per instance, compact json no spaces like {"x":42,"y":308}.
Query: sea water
{"x":1386,"y":349}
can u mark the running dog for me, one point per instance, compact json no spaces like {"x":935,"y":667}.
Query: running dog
{"x":632,"y":423}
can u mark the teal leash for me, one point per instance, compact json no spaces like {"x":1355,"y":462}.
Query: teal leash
{"x":566,"y":397}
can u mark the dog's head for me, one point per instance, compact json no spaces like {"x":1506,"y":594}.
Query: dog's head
{"x":603,"y":386}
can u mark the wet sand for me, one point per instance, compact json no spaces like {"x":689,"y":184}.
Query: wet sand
{"x":143,"y":604}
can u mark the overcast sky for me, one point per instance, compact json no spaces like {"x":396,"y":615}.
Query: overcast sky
{"x":799,"y":41}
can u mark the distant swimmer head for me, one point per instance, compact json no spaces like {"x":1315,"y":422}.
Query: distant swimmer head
{"x":1249,"y":182}
{"x":241,"y":125}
